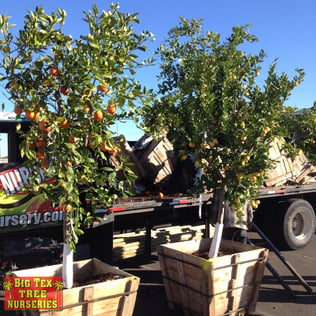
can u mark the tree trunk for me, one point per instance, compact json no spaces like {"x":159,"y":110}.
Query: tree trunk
{"x":67,"y":270}
{"x":219,"y":199}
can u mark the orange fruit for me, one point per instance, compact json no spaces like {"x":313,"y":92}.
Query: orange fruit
{"x":112,"y":151}
{"x":54,"y":71}
{"x":40,"y":155}
{"x":65,"y":123}
{"x":160,"y":195}
{"x":44,"y":126}
{"x":102,"y":88}
{"x":68,"y":207}
{"x":30,"y":115}
{"x":111,"y":108}
{"x":92,"y":144}
{"x":71,"y":139}
{"x":64,"y":90}
{"x":40,"y":143}
{"x":98,"y":115}
{"x":45,"y":164}
{"x":103,"y":146}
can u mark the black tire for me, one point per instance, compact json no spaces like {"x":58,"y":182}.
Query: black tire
{"x":297,"y":225}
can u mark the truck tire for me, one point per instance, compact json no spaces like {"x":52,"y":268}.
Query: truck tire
{"x":297,"y":225}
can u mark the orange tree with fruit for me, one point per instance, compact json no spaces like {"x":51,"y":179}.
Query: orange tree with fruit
{"x":211,"y":106}
{"x":73,"y":91}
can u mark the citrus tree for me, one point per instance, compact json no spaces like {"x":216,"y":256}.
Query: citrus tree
{"x":211,"y":106}
{"x":73,"y":91}
{"x":301,"y":126}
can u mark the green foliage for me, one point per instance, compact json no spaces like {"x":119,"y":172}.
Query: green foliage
{"x":65,"y":86}
{"x":211,"y":106}
{"x":301,"y":126}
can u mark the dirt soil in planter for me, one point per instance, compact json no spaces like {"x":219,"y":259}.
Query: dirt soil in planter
{"x":104,"y":277}
{"x":204,"y":255}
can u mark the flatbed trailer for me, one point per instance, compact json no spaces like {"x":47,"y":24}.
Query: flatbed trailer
{"x":286,"y":214}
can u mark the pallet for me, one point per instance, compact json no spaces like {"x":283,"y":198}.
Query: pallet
{"x":133,"y":244}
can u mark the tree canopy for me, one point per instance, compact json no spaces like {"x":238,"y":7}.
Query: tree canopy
{"x":211,"y":106}
{"x":73,"y":90}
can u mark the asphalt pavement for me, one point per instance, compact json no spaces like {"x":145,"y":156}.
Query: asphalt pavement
{"x":296,"y":297}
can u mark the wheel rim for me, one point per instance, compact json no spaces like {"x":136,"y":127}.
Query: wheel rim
{"x":299,"y":222}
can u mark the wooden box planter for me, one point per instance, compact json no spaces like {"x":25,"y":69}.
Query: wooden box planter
{"x":109,"y":298}
{"x":223,"y":285}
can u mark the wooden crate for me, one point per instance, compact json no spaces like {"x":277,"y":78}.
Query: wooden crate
{"x":126,"y":150}
{"x":286,"y":169}
{"x":156,"y":157}
{"x":109,"y":298}
{"x":204,"y":287}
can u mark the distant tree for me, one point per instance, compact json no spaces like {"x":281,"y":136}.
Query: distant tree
{"x":301,"y":127}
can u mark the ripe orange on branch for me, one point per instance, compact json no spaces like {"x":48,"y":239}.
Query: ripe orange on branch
{"x":104,"y":147}
{"x":68,"y":207}
{"x":64,"y":90}
{"x":64,"y":123}
{"x":30,"y":115}
{"x":40,"y":143}
{"x":44,"y":163}
{"x":44,"y":126}
{"x":102,"y":88}
{"x":112,"y":150}
{"x":54,"y":71}
{"x":71,"y":139}
{"x":160,"y":195}
{"x":111,"y":108}
{"x":98,"y":115}
{"x":40,"y":155}
{"x":92,"y":143}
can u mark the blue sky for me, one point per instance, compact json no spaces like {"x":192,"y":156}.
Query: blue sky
{"x":286,"y":30}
